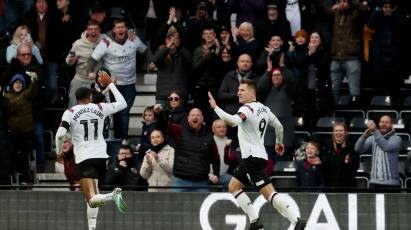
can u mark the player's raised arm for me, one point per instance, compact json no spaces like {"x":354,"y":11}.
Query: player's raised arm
{"x":120,"y":102}
{"x":231,"y":120}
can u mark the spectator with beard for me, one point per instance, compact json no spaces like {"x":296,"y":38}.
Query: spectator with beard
{"x":385,"y":146}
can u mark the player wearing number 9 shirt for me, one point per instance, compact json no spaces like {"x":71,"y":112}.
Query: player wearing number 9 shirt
{"x":85,"y":122}
{"x":252,"y":120}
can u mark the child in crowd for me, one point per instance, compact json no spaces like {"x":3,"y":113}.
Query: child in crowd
{"x":309,"y":169}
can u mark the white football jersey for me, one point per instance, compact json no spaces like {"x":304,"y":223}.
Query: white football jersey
{"x":86,"y":123}
{"x":255,"y":118}
{"x":119,"y":59}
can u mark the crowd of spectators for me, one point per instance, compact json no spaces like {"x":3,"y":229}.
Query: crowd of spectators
{"x":297,"y":51}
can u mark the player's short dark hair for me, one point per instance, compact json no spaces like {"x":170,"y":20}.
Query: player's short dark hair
{"x":250,"y":83}
{"x":83,"y":93}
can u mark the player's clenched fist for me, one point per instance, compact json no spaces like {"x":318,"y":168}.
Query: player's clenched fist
{"x":103,"y":78}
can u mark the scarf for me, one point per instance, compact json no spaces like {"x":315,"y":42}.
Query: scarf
{"x":157,"y":148}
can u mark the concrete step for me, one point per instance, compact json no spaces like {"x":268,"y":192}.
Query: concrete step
{"x":146,"y":89}
{"x":135,"y":122}
{"x":137,"y":110}
{"x":134,"y":131}
{"x":150,"y":78}
{"x":144,"y":100}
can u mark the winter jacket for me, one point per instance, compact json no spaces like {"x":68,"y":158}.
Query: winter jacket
{"x":159,"y":172}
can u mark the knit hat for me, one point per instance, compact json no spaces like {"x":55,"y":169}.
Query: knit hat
{"x":301,"y":33}
{"x":17,"y":77}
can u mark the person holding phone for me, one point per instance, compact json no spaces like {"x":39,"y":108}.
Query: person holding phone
{"x":22,"y":35}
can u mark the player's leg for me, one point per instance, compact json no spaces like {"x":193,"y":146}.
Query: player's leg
{"x":284,"y":204}
{"x":236,"y":186}
{"x":90,"y":189}
{"x":88,"y":172}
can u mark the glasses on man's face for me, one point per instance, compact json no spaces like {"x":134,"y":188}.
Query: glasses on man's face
{"x":25,"y":54}
{"x":173,"y":98}
{"x":276,"y":75}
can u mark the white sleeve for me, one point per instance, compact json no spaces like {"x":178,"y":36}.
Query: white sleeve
{"x":100,"y":49}
{"x":62,"y":130}
{"x":141,"y":47}
{"x":118,"y":105}
{"x":279,"y":130}
{"x":231,"y":120}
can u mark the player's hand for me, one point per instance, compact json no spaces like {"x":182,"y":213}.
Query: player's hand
{"x":103,"y":78}
{"x":279,"y":149}
{"x":211,"y":100}
{"x":213,"y":179}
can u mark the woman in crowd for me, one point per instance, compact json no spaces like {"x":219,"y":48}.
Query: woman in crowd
{"x":340,"y":161}
{"x":22,"y":35}
{"x":176,"y":111}
{"x":158,"y":162}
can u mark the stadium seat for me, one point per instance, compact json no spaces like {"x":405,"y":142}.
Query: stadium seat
{"x":358,"y":124}
{"x":348,"y":114}
{"x":353,"y":136}
{"x":284,"y":175}
{"x":375,"y":115}
{"x":407,"y":102}
{"x":405,"y":119}
{"x":327,"y":122}
{"x":300,"y":124}
{"x":381,"y":102}
{"x":300,"y":137}
{"x":322,"y":137}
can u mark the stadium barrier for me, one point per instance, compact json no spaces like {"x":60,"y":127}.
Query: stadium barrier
{"x":41,"y":210}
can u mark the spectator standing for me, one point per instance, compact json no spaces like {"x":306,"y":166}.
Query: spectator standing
{"x":385,"y":146}
{"x":339,"y":160}
{"x":277,"y":90}
{"x":246,"y":11}
{"x":174,"y":63}
{"x":79,"y":55}
{"x":387,"y":22}
{"x":244,"y":41}
{"x":12,"y":10}
{"x":62,"y":32}
{"x":118,"y":53}
{"x":274,"y":50}
{"x":20,"y":122}
{"x":176,"y":112}
{"x":346,"y":45}
{"x":158,"y":162}
{"x":38,"y":20}
{"x":317,"y":80}
{"x":309,"y":169}
{"x":204,"y":61}
{"x":124,"y":171}
{"x":195,"y":151}
{"x":274,"y":24}
{"x":22,"y":35}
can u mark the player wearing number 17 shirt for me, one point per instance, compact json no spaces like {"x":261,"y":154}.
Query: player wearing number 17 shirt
{"x":85,"y":122}
{"x":252,"y":120}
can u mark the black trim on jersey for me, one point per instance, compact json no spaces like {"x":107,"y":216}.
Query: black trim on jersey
{"x":65,"y":124}
{"x":242,"y":116}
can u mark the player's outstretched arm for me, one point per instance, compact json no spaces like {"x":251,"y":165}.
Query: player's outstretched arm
{"x":231,"y":120}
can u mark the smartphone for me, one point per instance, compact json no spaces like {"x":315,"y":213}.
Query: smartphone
{"x":72,"y":53}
